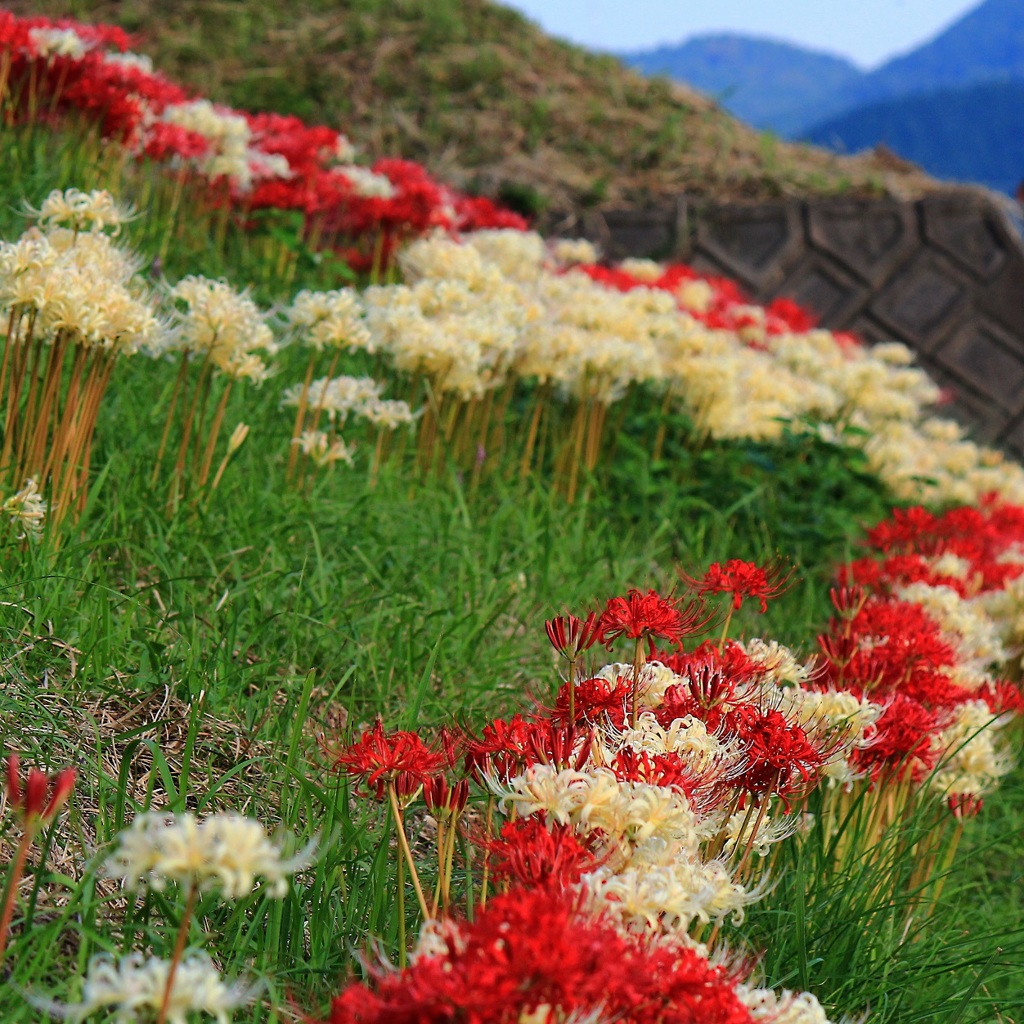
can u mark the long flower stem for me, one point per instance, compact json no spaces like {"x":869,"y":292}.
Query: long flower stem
{"x":211,"y":442}
{"x":404,"y":843}
{"x":488,"y":823}
{"x":638,"y":664}
{"x":179,"y":950}
{"x":725,"y":629}
{"x":178,"y":384}
{"x":300,"y":415}
{"x":13,"y":881}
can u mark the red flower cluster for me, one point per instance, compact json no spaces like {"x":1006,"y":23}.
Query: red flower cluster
{"x":400,"y":758}
{"x":533,"y":948}
{"x":741,"y":580}
{"x":914,"y":538}
{"x":533,"y":853}
{"x":640,"y":616}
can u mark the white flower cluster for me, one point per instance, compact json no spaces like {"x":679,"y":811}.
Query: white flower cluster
{"x":81,"y":211}
{"x":228,"y":138}
{"x":322,"y":448}
{"x":976,"y":756}
{"x":221,"y":324}
{"x":135,"y":985}
{"x":341,"y":397}
{"x":500,"y":306}
{"x":58,"y":42}
{"x":78,"y":284}
{"x":332,"y":320}
{"x":651,"y":874}
{"x":366,"y":183}
{"x":225,"y":851}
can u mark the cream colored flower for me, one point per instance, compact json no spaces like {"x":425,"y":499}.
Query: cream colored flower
{"x":219,"y":323}
{"x":80,"y":284}
{"x":322,"y":449}
{"x":27,"y":508}
{"x":226,"y":851}
{"x":781,"y":1008}
{"x":366,"y":183}
{"x":332,"y":319}
{"x":58,"y":42}
{"x":133,"y":988}
{"x":82,"y":211}
{"x":568,"y":251}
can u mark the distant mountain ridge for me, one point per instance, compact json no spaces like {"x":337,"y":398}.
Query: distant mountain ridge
{"x":971,"y":134}
{"x":761,"y":81}
{"x":964,"y":84}
{"x":985,"y":45}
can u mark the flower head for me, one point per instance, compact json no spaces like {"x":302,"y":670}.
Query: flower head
{"x":225,"y":850}
{"x":400,"y":758}
{"x":742,"y":580}
{"x":571,"y":636}
{"x":135,"y":984}
{"x":78,"y":210}
{"x":650,"y":617}
{"x":27,"y":508}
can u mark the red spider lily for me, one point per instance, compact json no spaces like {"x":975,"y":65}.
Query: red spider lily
{"x":127,"y":104}
{"x":571,"y":636}
{"x":891,"y":646}
{"x":502,"y":749}
{"x":561,"y":746}
{"x":708,"y":682}
{"x":847,"y":601}
{"x":742,"y":580}
{"x":537,"y":855}
{"x":780,"y":757}
{"x":596,"y":700}
{"x":534,"y":948}
{"x":37,"y":799}
{"x":903,"y":741}
{"x":640,"y":616}
{"x":914,"y":536}
{"x":400,"y":758}
{"x":505,"y":749}
{"x":1002,"y":697}
{"x":659,"y":769}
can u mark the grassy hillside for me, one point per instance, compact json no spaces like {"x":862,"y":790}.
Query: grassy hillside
{"x":479,"y":95}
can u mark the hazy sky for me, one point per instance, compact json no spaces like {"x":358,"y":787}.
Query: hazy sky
{"x":867,"y":32}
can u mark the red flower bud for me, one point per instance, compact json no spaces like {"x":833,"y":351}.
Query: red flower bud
{"x":29,"y":799}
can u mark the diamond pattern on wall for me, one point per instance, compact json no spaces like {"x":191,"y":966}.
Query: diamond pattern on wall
{"x":869,"y":238}
{"x":988,"y":359}
{"x":826,"y":289}
{"x":969,"y":236}
{"x":918,"y":301}
{"x":756,"y":243}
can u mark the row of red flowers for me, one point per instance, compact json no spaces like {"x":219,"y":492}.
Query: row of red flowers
{"x":49,"y":68}
{"x":536,"y":948}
